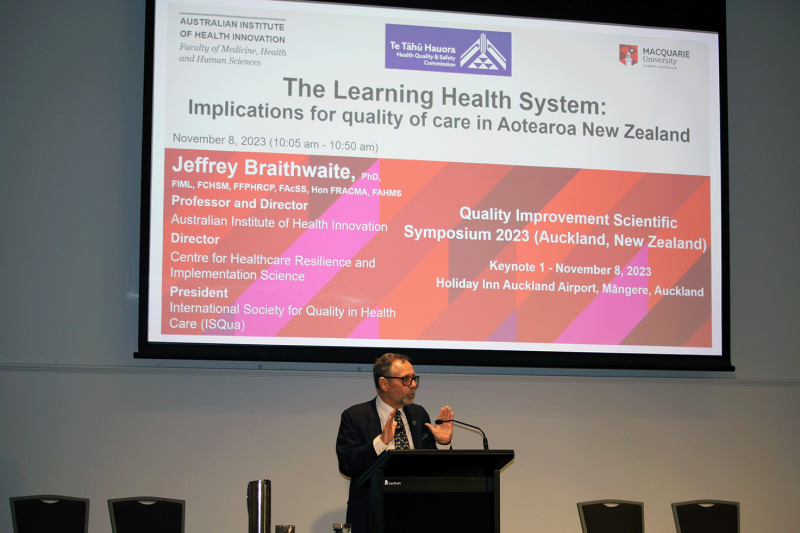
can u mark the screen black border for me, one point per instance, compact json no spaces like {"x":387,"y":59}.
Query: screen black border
{"x":704,"y":15}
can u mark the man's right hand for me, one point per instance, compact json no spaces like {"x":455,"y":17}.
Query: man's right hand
{"x":388,"y":428}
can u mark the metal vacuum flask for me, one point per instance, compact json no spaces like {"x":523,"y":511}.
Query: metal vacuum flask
{"x":258,"y":506}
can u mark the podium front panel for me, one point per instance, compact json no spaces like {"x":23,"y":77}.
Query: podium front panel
{"x":464,"y":512}
{"x":431,"y":490}
{"x":402,"y":504}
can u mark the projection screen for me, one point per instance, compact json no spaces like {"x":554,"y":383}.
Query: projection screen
{"x":326,"y":182}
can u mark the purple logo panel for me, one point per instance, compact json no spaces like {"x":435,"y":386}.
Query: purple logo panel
{"x":448,"y":50}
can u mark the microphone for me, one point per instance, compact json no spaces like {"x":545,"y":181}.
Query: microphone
{"x":485,"y":441}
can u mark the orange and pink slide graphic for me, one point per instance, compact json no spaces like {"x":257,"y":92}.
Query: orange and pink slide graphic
{"x":296,"y":246}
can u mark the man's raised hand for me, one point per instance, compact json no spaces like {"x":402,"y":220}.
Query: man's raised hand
{"x":443,"y":433}
{"x":388,"y":428}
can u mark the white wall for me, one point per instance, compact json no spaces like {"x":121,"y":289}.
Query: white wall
{"x":79,"y":416}
{"x":203,"y":435}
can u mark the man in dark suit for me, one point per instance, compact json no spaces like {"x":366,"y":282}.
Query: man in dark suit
{"x":390,"y":421}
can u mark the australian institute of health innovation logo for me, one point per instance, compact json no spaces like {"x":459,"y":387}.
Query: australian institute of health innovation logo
{"x":486,"y":53}
{"x":628,"y":54}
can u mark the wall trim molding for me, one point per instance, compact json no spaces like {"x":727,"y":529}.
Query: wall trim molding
{"x":704,"y":379}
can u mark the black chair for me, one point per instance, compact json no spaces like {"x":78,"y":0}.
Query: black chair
{"x":47,"y":513}
{"x":145,"y":514}
{"x":706,"y":516}
{"x":612,"y":516}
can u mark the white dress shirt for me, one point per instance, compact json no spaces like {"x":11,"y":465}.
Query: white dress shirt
{"x":384,"y":411}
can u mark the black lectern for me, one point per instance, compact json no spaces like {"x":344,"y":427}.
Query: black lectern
{"x":436,"y":490}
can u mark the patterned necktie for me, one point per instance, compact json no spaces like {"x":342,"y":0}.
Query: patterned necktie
{"x":400,"y":437}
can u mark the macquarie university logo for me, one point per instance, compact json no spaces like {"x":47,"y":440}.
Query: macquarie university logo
{"x":628,"y":54}
{"x":486,"y":53}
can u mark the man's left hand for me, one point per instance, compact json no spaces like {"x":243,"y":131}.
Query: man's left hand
{"x":443,"y":433}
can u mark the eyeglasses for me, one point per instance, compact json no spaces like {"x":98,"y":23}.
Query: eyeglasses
{"x":406,"y":379}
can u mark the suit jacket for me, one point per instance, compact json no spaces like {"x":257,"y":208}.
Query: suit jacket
{"x":359,"y":426}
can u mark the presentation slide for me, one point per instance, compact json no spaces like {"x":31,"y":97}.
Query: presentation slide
{"x":328,"y":175}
